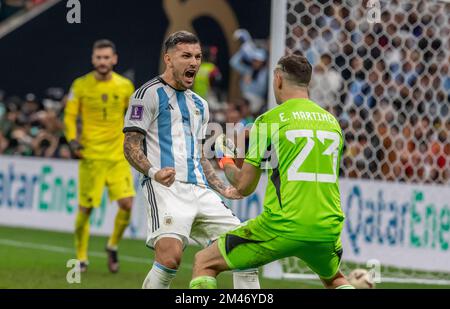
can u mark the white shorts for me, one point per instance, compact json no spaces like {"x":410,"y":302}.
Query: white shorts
{"x":185,"y":211}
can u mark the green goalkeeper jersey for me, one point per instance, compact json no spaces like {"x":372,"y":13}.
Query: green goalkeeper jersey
{"x":302,"y":145}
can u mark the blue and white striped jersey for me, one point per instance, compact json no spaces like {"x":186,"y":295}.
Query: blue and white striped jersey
{"x":174,"y":122}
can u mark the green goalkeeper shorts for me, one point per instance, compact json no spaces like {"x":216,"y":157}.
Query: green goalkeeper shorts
{"x":250,"y":246}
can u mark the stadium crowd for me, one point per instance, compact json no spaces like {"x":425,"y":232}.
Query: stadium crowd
{"x":392,"y":99}
{"x":388,"y":83}
{"x":29,"y":127}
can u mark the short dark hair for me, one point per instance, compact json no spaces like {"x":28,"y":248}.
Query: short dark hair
{"x":180,"y":37}
{"x":297,"y":68}
{"x":104,"y":43}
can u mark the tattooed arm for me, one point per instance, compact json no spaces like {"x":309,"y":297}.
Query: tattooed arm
{"x":216,"y":183}
{"x":245,"y":179}
{"x":134,"y":153}
{"x":213,"y":180}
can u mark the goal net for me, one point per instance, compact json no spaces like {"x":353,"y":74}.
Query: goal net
{"x":382,"y":68}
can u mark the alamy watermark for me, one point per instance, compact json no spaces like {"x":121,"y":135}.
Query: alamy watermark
{"x":373,"y":11}
{"x":74,"y":273}
{"x":374,"y":269}
{"x":74,"y":14}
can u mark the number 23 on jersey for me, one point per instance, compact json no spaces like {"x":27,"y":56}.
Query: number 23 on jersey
{"x":332,"y":150}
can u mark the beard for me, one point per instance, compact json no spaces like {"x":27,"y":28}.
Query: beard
{"x":178,"y":78}
{"x":184,"y":82}
{"x":103,"y":70}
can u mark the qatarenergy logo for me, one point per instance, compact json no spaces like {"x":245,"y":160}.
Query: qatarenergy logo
{"x":410,"y":221}
{"x":44,"y":189}
{"x":19,"y":190}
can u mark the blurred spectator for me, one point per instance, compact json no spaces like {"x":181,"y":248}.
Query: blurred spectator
{"x":4,"y":143}
{"x":232,"y":115}
{"x":247,"y":44}
{"x":45,"y":145}
{"x":239,"y":116}
{"x":29,"y":107}
{"x":29,"y":128}
{"x":21,"y":142}
{"x":208,"y":78}
{"x":325,"y":83}
{"x":243,"y":107}
{"x":251,"y":63}
{"x":64,"y":152}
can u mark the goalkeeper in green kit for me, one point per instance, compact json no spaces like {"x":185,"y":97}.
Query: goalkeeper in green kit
{"x":302,"y":213}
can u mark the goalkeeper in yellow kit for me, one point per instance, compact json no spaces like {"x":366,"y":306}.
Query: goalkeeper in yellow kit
{"x":99,"y":99}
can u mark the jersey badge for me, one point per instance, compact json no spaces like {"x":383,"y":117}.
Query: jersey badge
{"x":136,"y":112}
{"x":168,"y":220}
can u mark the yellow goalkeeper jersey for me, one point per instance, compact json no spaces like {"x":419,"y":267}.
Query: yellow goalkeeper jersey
{"x":101,"y":106}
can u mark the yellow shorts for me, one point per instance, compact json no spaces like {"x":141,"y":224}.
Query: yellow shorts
{"x":94,"y":175}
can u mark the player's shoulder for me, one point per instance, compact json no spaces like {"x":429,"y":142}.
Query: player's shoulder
{"x":324,"y":111}
{"x":269,"y":115}
{"x":83,"y":80}
{"x":148,"y":89}
{"x":331,"y":122}
{"x":122,"y":79}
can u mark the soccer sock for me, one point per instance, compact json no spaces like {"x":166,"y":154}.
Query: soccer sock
{"x":203,"y":282}
{"x":82,"y":235}
{"x":246,"y":279}
{"x":159,"y":277}
{"x":345,"y":287}
{"x":120,"y":224}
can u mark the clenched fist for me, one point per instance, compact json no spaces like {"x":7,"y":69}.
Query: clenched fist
{"x":165,"y":176}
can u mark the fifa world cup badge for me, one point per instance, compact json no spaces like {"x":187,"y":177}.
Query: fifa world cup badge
{"x":136,"y":112}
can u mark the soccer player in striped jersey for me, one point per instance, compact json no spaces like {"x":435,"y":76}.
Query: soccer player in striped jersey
{"x":164,"y":127}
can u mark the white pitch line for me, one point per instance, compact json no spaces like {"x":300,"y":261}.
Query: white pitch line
{"x":97,"y":254}
{"x":57,"y":249}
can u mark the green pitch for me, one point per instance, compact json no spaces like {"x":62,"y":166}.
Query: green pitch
{"x":37,"y":259}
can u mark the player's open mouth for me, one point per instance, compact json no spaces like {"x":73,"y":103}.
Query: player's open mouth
{"x":189,"y":75}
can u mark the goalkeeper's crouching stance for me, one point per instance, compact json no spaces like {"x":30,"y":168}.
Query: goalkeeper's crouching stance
{"x":302,"y":214}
